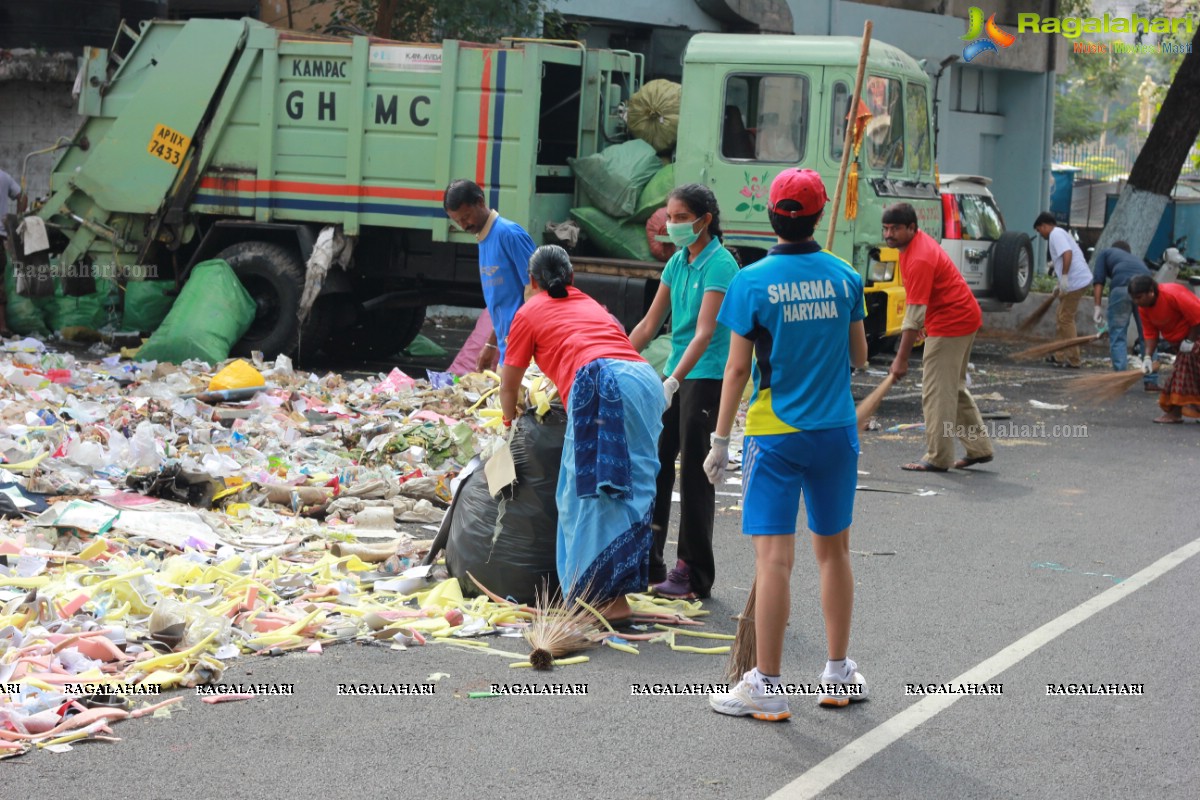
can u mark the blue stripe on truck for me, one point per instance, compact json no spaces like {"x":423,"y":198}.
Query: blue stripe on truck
{"x":498,"y":129}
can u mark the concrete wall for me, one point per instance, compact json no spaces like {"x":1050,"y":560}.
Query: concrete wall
{"x":34,"y":116}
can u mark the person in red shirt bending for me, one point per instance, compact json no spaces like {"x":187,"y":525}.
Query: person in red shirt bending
{"x":615,"y":403}
{"x":942,"y":310}
{"x":1173,"y":312}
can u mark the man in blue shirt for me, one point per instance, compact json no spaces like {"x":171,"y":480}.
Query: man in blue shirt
{"x":504,"y":251}
{"x":1118,"y":266}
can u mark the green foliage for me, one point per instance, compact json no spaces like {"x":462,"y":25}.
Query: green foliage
{"x":1044,"y":283}
{"x":1074,"y":119}
{"x":434,"y":20}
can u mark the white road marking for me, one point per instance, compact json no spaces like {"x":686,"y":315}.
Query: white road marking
{"x":838,"y":765}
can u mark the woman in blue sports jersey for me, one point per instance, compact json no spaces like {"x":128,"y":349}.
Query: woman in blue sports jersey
{"x":798,"y":314}
{"x":692,"y":287}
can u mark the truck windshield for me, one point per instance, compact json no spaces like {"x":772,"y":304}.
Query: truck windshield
{"x":766,"y":118}
{"x":916,"y":119}
{"x":884,"y":133}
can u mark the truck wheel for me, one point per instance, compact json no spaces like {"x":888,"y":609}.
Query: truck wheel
{"x":380,"y":334}
{"x":274,"y":277}
{"x":1012,"y":267}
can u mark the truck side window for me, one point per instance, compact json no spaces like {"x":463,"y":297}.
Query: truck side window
{"x":885,"y":130}
{"x":837,"y":119}
{"x":916,"y":119}
{"x":777,"y":106}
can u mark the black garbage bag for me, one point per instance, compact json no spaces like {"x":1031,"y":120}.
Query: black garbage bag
{"x":173,"y":482}
{"x":509,"y":545}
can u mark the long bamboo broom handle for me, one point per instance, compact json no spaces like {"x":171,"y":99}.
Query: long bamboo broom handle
{"x":849,"y":139}
{"x":870,"y":404}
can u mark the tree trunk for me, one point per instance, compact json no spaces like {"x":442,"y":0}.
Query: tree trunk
{"x":383,"y":18}
{"x":1157,"y":168}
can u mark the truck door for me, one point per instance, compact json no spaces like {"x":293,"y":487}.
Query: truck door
{"x":767,"y":123}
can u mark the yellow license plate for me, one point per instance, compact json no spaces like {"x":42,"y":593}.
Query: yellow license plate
{"x":168,"y":144}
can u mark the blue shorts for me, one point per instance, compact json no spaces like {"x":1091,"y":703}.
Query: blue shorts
{"x":777,"y":468}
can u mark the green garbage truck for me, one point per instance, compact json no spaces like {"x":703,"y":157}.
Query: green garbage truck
{"x":315,"y":165}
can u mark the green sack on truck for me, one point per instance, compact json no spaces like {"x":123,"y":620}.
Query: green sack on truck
{"x":654,"y":195}
{"x":147,"y":304}
{"x":614,"y":178}
{"x":611,"y":237}
{"x":211,"y":313}
{"x":654,"y":114}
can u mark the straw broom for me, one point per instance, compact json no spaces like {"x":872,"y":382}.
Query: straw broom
{"x":1053,"y":347}
{"x":1102,"y":388}
{"x":744,"y":655}
{"x":1033,"y":319}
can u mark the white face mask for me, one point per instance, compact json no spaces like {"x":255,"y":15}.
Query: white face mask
{"x":682,"y":234}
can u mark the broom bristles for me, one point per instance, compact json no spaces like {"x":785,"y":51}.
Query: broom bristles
{"x":870,"y":404}
{"x":1052,"y":347}
{"x":559,"y":629}
{"x":1099,"y":388}
{"x":744,"y":655}
{"x":1039,"y":312}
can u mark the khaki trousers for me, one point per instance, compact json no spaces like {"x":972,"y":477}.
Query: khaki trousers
{"x":1068,"y":305}
{"x":950,"y":411}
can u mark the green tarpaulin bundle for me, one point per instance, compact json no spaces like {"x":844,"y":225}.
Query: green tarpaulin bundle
{"x":613,"y":179}
{"x":611,"y":237}
{"x":654,"y":195}
{"x":211,"y":313}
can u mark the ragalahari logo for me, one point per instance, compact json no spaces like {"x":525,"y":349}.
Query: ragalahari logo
{"x":993,"y":37}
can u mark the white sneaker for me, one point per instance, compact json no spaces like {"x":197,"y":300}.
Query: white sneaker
{"x":749,"y":698}
{"x":841,"y":690}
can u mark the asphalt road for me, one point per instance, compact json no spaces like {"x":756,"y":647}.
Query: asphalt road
{"x":946,"y":584}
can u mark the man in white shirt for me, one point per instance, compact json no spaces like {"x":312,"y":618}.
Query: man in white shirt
{"x":1074,"y":278}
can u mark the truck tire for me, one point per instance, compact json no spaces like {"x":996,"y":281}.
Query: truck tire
{"x":1011,"y":267}
{"x":379,"y":335}
{"x":274,"y":277}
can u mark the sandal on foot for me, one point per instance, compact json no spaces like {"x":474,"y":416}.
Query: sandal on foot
{"x":1166,"y":420}
{"x":923,"y":466}
{"x":963,"y":463}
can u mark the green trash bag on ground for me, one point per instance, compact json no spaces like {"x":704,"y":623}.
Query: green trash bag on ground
{"x":614,"y":178}
{"x":654,"y":195}
{"x":211,"y":313}
{"x":25,"y":315}
{"x":611,"y":237}
{"x":85,"y":311}
{"x":424,"y":347}
{"x":146,"y":304}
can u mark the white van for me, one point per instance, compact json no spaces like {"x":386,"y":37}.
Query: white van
{"x":997,"y":263}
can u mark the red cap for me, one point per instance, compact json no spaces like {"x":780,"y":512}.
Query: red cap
{"x":802,"y":185}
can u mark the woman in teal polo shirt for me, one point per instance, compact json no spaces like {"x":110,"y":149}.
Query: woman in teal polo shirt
{"x":692,"y":287}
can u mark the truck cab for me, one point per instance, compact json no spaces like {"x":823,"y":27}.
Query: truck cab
{"x":755,"y":105}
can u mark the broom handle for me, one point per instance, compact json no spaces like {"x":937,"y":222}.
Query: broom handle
{"x":851,"y":121}
{"x":870,"y":404}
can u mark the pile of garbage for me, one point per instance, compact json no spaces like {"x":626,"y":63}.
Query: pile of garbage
{"x":162,"y":520}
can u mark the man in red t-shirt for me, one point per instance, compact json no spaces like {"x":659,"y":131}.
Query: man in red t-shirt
{"x":940,"y":304}
{"x":1173,"y":312}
